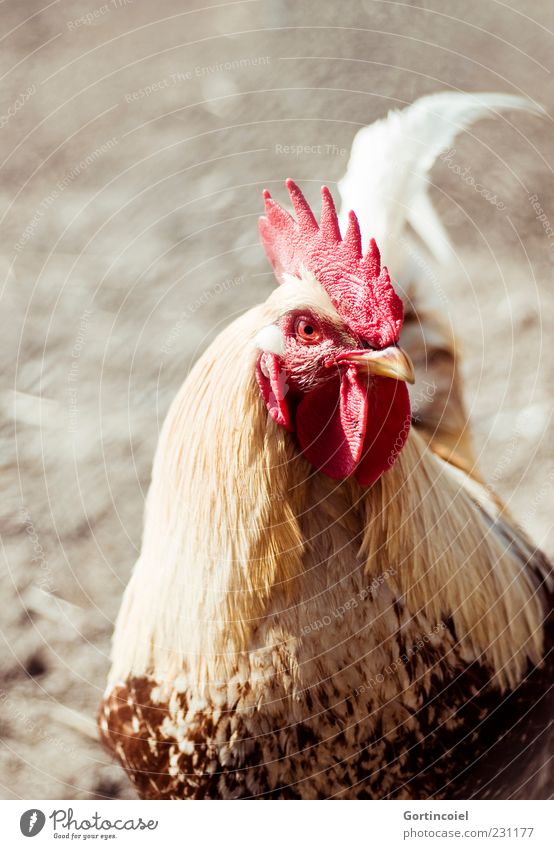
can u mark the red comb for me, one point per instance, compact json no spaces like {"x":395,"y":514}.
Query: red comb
{"x":359,"y":288}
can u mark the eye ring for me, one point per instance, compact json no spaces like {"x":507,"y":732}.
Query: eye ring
{"x":307,"y":331}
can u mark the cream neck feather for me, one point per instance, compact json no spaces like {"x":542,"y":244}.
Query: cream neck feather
{"x":225,"y":526}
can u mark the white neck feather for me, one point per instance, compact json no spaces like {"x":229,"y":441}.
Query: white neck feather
{"x":239,"y":527}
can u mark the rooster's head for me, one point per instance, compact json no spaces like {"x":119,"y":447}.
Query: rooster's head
{"x":330,"y":368}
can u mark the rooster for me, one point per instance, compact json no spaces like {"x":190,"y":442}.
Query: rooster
{"x":328,"y":602}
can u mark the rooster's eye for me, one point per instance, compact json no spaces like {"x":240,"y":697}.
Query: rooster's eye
{"x":307,"y":331}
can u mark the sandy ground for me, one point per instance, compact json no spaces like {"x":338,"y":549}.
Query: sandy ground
{"x":136,"y":138}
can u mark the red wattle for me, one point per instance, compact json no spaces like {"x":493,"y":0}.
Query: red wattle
{"x":354,"y":429}
{"x":389,"y":420}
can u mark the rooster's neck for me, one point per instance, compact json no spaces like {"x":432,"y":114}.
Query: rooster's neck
{"x":246,"y":547}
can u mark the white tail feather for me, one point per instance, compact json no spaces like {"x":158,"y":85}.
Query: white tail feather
{"x":387,"y":178}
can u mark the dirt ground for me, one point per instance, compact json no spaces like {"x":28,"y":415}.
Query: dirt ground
{"x":136,"y":139}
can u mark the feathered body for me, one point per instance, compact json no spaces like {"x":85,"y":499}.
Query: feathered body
{"x":289,"y":635}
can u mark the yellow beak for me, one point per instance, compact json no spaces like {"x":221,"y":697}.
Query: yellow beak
{"x":390,"y":362}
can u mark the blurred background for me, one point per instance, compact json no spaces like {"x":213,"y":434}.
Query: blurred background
{"x":136,"y":140}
